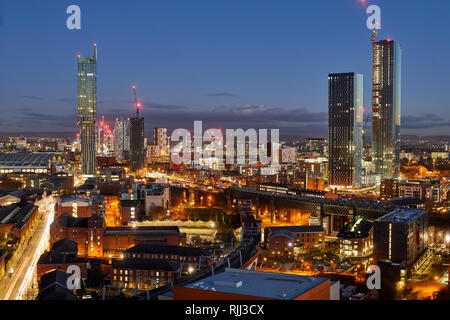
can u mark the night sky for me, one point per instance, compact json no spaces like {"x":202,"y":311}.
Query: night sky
{"x":233,"y":63}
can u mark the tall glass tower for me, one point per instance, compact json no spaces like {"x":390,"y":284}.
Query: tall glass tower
{"x":345,"y":118}
{"x":87,"y":109}
{"x":386,"y":107}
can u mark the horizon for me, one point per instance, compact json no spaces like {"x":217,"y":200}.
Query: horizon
{"x":251,"y":71}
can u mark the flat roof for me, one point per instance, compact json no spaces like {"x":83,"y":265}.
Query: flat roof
{"x":258,"y":283}
{"x":403,"y":215}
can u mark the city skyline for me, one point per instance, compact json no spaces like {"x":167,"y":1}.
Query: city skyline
{"x":235,"y":150}
{"x":290,"y":95}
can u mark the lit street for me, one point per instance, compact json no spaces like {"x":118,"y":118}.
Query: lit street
{"x":15,"y":286}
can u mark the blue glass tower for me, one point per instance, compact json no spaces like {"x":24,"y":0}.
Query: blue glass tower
{"x":87,"y":109}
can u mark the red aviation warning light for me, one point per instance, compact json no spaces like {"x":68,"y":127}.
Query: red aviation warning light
{"x":138,"y":104}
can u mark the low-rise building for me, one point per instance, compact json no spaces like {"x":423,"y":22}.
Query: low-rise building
{"x":285,"y":241}
{"x":80,"y":206}
{"x":179,"y":254}
{"x":94,"y":239}
{"x":53,"y":286}
{"x":356,"y":239}
{"x":62,"y":255}
{"x":242,"y":284}
{"x":145,"y":273}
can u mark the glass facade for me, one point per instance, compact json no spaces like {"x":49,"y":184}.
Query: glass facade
{"x":345,"y":118}
{"x":87,"y":110}
{"x":386,"y":107}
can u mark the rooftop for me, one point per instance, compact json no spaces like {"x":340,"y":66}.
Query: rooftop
{"x":29,"y":159}
{"x":178,"y":250}
{"x":146,"y":264}
{"x":356,"y":230}
{"x":296,"y":229}
{"x":403,"y":215}
{"x":258,"y":284}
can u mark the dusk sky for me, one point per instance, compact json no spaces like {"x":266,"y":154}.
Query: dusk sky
{"x":234,"y":63}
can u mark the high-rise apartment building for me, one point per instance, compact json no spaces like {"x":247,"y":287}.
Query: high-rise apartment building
{"x":137,"y":152}
{"x":160,"y":139}
{"x":122,"y":139}
{"x":386,"y":107}
{"x":87,"y":109}
{"x":345,"y":116}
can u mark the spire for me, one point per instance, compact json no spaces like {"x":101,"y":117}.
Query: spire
{"x":374,"y":35}
{"x":95,"y":51}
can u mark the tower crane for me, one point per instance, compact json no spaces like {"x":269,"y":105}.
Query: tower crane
{"x":137,"y":103}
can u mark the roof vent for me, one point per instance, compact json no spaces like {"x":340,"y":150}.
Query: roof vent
{"x":229,"y":284}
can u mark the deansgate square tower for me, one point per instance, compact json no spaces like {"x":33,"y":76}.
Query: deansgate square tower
{"x":386,"y":107}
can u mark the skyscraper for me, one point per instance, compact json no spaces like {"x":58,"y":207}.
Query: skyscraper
{"x":345,"y":116}
{"x":137,"y":153}
{"x":386,"y":107}
{"x":87,"y":109}
{"x":121,"y":139}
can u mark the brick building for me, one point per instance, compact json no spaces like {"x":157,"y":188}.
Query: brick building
{"x":284,"y":241}
{"x":170,"y":253}
{"x":147,"y":272}
{"x":94,"y":239}
{"x":420,"y":189}
{"x":80,"y":206}
{"x":62,"y":255}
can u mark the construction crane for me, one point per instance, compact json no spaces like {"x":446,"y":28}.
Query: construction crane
{"x":136,"y":102}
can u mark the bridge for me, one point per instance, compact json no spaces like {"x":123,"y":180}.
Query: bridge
{"x":334,"y":212}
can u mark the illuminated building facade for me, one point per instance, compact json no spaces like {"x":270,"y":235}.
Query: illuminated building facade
{"x":160,"y":139}
{"x":356,"y":238}
{"x":386,"y":107}
{"x":122,"y":139}
{"x":345,"y":116}
{"x":87,"y":110}
{"x":402,"y":236}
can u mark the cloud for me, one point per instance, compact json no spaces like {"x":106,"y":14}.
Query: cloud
{"x":25,"y":109}
{"x":221,"y":94}
{"x":423,"y":121}
{"x":27,"y":119}
{"x":32,"y":97}
{"x":289,"y":121}
{"x":67,"y":100}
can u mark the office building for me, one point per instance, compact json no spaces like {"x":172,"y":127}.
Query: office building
{"x":401,"y":237}
{"x":345,"y":116}
{"x":386,"y":107}
{"x":87,"y":110}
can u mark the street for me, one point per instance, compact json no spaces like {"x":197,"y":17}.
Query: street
{"x":27,"y":255}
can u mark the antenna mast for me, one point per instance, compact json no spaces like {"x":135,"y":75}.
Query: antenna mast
{"x":374,"y":35}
